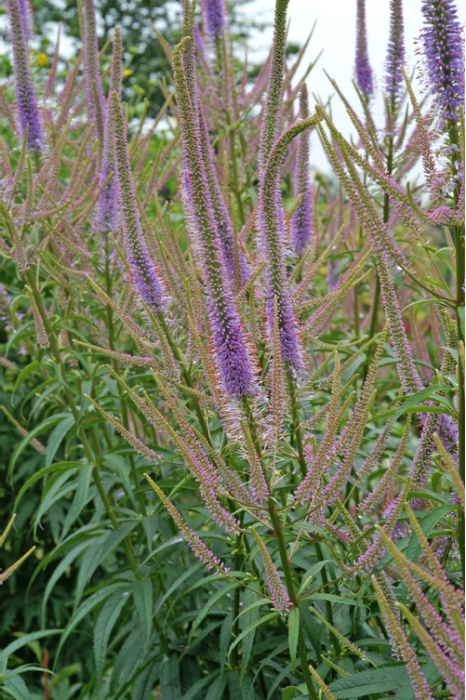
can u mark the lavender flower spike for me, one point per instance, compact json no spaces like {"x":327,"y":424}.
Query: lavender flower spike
{"x":362,"y":68}
{"x":271,"y":225}
{"x":213,"y":12}
{"x":301,"y":223}
{"x":228,"y":336}
{"x":396,"y":51}
{"x":28,"y":109}
{"x":144,"y":275}
{"x":443,"y":46}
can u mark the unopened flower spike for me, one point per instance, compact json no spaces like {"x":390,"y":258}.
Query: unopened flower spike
{"x":363,"y":71}
{"x":395,"y":52}
{"x":142,"y":268}
{"x":272,"y":109}
{"x":93,"y":81}
{"x":301,"y":223}
{"x":280,"y":598}
{"x":28,"y":109}
{"x":197,"y":545}
{"x":228,"y":336}
{"x":444,"y":53}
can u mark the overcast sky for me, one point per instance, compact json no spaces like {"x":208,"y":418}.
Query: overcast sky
{"x":335,"y":34}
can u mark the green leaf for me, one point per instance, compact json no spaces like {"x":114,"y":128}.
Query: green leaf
{"x":293,"y":635}
{"x":251,"y":627}
{"x":334,"y":599}
{"x":248,"y":616}
{"x":170,"y":685}
{"x":53,"y":469}
{"x":88,"y":605}
{"x":24,"y":640}
{"x":108,"y":616}
{"x":192,"y":693}
{"x":56,"y":437}
{"x":413,"y":401}
{"x":60,"y":570}
{"x":19,"y":449}
{"x":80,"y":498}
{"x":291,"y":692}
{"x":379,"y":680}
{"x":143,"y":594}
{"x":16,"y":688}
{"x":210,"y":604}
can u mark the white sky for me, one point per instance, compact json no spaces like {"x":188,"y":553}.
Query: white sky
{"x":335,"y":33}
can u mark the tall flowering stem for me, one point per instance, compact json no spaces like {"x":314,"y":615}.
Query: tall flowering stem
{"x":395,"y":53}
{"x":301,"y":223}
{"x":363,"y":71}
{"x":144,"y":275}
{"x":28,"y":109}
{"x":228,"y":336}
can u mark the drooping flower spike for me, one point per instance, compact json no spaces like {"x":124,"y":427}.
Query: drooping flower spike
{"x":28,"y":109}
{"x":396,"y":51}
{"x":142,"y":268}
{"x":229,"y":342}
{"x":363,"y":70}
{"x":443,"y":48}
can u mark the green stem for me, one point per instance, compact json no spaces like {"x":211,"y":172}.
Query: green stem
{"x":296,"y":424}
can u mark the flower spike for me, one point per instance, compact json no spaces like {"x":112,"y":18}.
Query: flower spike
{"x":362,"y":69}
{"x":301,"y":223}
{"x":28,"y":109}
{"x":145,"y":277}
{"x":396,"y":51}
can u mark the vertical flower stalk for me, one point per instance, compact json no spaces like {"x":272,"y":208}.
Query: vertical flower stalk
{"x":228,"y":336}
{"x":107,"y":205}
{"x":395,"y":52}
{"x":271,"y":226}
{"x":443,"y":48}
{"x":272,"y":108}
{"x":301,"y":223}
{"x":93,"y":81}
{"x":144,"y":275}
{"x":28,"y":109}
{"x":363,"y":71}
{"x":213,"y":12}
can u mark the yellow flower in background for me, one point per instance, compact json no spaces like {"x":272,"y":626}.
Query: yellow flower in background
{"x":127,"y":72}
{"x":42,"y":59}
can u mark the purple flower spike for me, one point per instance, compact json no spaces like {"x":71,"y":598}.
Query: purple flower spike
{"x":271,"y":226}
{"x":363,"y":69}
{"x":144,"y":275}
{"x":301,"y":223}
{"x":107,"y":206}
{"x":229,"y":342}
{"x":443,"y":46}
{"x":396,"y":51}
{"x":214,"y":17}
{"x":28,"y":109}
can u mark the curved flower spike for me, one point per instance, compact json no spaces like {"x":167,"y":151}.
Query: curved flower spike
{"x":144,"y":275}
{"x":28,"y":109}
{"x":93,"y":81}
{"x":271,"y":225}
